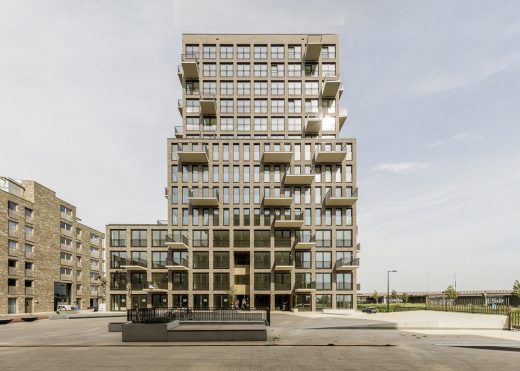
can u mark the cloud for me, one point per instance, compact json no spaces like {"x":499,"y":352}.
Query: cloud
{"x":440,"y":81}
{"x":401,"y":167}
{"x":457,"y":138}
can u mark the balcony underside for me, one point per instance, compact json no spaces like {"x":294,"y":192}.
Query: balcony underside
{"x":342,"y":118}
{"x":283,"y":267}
{"x":203,"y":201}
{"x":288,"y":224}
{"x":176,"y":267}
{"x":313,"y":125}
{"x":193,"y":157}
{"x":278,"y":201}
{"x":330,"y":88}
{"x":304,"y":289}
{"x":190,"y":69}
{"x":330,"y":157}
{"x":341,"y":201}
{"x":305,"y":245}
{"x":155,"y":290}
{"x":346,"y":267}
{"x":300,"y":179}
{"x":133,"y":268}
{"x":176,"y":245}
{"x":208,"y":107}
{"x":312,"y":51}
{"x":277,"y":157}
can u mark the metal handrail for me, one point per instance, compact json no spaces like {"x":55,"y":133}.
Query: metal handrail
{"x":304,"y":285}
{"x":352,"y":194}
{"x":179,"y":262}
{"x":342,"y":262}
{"x":205,"y":192}
{"x":177,"y":238}
{"x":189,"y":57}
{"x":133,"y":261}
{"x":291,"y":216}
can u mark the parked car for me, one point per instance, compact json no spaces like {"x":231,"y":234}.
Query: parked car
{"x":369,"y":310}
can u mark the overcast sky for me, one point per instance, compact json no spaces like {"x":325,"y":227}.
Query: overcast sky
{"x":88,"y":94}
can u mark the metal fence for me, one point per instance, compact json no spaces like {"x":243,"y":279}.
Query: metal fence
{"x":482,"y":305}
{"x":154,"y":315}
{"x":514,"y":321}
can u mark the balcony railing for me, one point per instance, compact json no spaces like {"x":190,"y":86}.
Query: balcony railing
{"x":136,"y":242}
{"x":177,"y":239}
{"x":12,"y":271}
{"x":262,"y":286}
{"x":288,"y":221}
{"x":343,"y":285}
{"x":181,"y":263}
{"x":190,"y":68}
{"x":157,"y":285}
{"x":343,"y":243}
{"x":242,"y":243}
{"x":347,"y":263}
{"x":341,"y":197}
{"x":194,"y":154}
{"x":66,"y":232}
{"x":330,"y":155}
{"x":282,"y":242}
{"x":13,"y":232}
{"x":29,"y":290}
{"x":178,"y":131}
{"x":66,"y":247}
{"x":134,"y":262}
{"x":262,"y":243}
{"x":221,"y":243}
{"x":12,"y":290}
{"x":94,"y":241}
{"x":66,"y":216}
{"x":66,"y":262}
{"x":200,"y":242}
{"x":305,"y":241}
{"x":282,"y":286}
{"x":304,"y":285}
{"x":204,"y":197}
{"x":323,"y":242}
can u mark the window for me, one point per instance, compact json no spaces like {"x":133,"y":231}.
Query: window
{"x":209,"y":51}
{"x":243,"y":88}
{"x":226,"y":88}
{"x":226,"y":70}
{"x":323,"y":237}
{"x":262,"y":238}
{"x":282,"y":281}
{"x":262,"y":260}
{"x":294,"y":106}
{"x":243,"y":70}
{"x":220,"y":281}
{"x":200,"y":260}
{"x":220,"y":238}
{"x":159,"y":259}
{"x":344,"y":281}
{"x":277,"y":88}
{"x":192,"y":106}
{"x":311,"y":105}
{"x":328,"y":69}
{"x":226,"y":106}
{"x":294,"y":51}
{"x":192,"y":51}
{"x":277,"y":106}
{"x":221,"y":260}
{"x":303,"y":259}
{"x":200,"y":238}
{"x":260,"y":105}
{"x":243,"y":52}
{"x":328,"y":51}
{"x":344,"y":238}
{"x":260,"y":70}
{"x":226,"y":124}
{"x":260,"y":123}
{"x":209,"y":87}
{"x":260,"y":87}
{"x":209,"y":70}
{"x":278,"y":124}
{"x":118,"y":238}
{"x":138,"y":238}
{"x":192,"y":123}
{"x":294,"y":123}
{"x":323,"y":281}
{"x":262,"y":281}
{"x":277,"y":70}
{"x":311,"y":69}
{"x":323,"y":302}
{"x":294,"y":70}
{"x":277,"y":52}
{"x":311,"y":88}
{"x":323,"y":260}
{"x":244,"y":123}
{"x":159,"y":238}
{"x":260,"y":52}
{"x":226,"y":51}
{"x":294,"y":88}
{"x":328,"y":106}
{"x":243,"y":106}
{"x":200,"y":281}
{"x":344,"y":301}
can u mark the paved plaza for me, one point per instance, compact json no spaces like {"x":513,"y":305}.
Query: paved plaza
{"x":295,"y":342}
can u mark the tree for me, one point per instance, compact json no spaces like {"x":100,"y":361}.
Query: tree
{"x":102,"y":288}
{"x":516,"y":289}
{"x":405,"y":297}
{"x":376,"y":296}
{"x":394,"y":295}
{"x":451,"y":293}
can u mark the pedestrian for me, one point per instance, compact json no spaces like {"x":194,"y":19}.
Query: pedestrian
{"x":244,"y":304}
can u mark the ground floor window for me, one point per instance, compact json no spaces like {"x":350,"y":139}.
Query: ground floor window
{"x":179,"y":301}
{"x":221,"y":301}
{"x":323,"y":301}
{"x":344,"y":301}
{"x":139,"y":301}
{"x":304,"y":302}
{"x":200,"y":301}
{"x":11,"y":306}
{"x":159,"y":300}
{"x":117,"y":302}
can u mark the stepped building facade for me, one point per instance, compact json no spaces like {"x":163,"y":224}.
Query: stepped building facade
{"x":261,"y":187}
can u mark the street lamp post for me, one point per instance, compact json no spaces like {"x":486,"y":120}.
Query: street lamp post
{"x":388,"y":289}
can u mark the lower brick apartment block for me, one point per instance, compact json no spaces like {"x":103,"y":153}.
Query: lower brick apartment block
{"x":48,"y":257}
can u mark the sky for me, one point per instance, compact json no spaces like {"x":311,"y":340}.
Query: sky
{"x":88,"y":94}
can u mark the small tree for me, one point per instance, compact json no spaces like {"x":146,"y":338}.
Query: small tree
{"x":394,"y":295}
{"x":405,"y":297}
{"x":516,"y":289}
{"x":376,"y":296}
{"x":451,"y":293}
{"x":102,"y":288}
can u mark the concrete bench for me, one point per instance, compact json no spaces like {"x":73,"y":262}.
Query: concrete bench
{"x":218,"y":332}
{"x":116,"y":326}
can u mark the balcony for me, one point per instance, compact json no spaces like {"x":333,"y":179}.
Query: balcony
{"x":12,"y":290}
{"x":79,"y":293}
{"x":331,"y":86}
{"x":177,"y":264}
{"x":28,"y":254}
{"x":347,"y":264}
{"x":342,"y":117}
{"x":312,"y":124}
{"x":134,"y":264}
{"x":298,"y":179}
{"x":178,"y":131}
{"x":29,"y":219}
{"x":288,"y":221}
{"x":208,"y":105}
{"x":198,"y":154}
{"x":29,"y":237}
{"x":305,"y":243}
{"x":29,"y":273}
{"x":313,"y":48}
{"x":190,"y":66}
{"x":180,"y":106}
{"x":13,"y":213}
{"x":94,"y":253}
{"x":94,"y":280}
{"x":278,"y":201}
{"x":94,"y":293}
{"x":156,"y":286}
{"x":94,"y":241}
{"x":177,"y":242}
{"x":66,"y":232}
{"x":94,"y":267}
{"x":203,"y":197}
{"x":66,"y":247}
{"x":283,"y":265}
{"x":347,"y":197}
{"x":13,"y":233}
{"x":304,"y":286}
{"x":330,"y":155}
{"x":12,"y":271}
{"x":29,"y":291}
{"x":277,"y":157}
{"x":66,"y":262}
{"x":66,"y":216}
{"x":358,"y":247}
{"x":66,"y":277}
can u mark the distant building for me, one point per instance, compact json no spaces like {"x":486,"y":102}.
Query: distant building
{"x":48,"y":257}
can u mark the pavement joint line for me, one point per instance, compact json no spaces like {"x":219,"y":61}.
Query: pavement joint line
{"x":189,"y":345}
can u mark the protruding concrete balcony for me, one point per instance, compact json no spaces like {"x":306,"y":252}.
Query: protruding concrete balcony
{"x":179,"y":133}
{"x":347,"y":197}
{"x":277,"y":157}
{"x":283,"y":265}
{"x":12,"y":271}
{"x":177,"y":264}
{"x":196,"y":154}
{"x":204,"y":197}
{"x":190,"y":66}
{"x":331,"y":86}
{"x":347,"y":264}
{"x":134,"y":265}
{"x":313,"y":123}
{"x":304,"y":286}
{"x":29,"y":290}
{"x":331,"y":155}
{"x":299,"y":179}
{"x":156,"y":287}
{"x":12,"y":290}
{"x":177,"y":242}
{"x":278,"y":201}
{"x":180,"y":106}
{"x":208,"y":105}
{"x":66,"y":277}
{"x":291,"y":221}
{"x":342,"y":118}
{"x":305,"y":242}
{"x":313,"y":48}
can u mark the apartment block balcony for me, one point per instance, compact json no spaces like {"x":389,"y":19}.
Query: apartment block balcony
{"x":304,"y":286}
{"x":29,"y":237}
{"x":208,"y":104}
{"x":190,"y":66}
{"x":12,"y":271}
{"x":79,"y":264}
{"x":179,"y":242}
{"x":278,"y":201}
{"x":13,"y":232}
{"x":204,"y":197}
{"x":330,"y":155}
{"x":312,"y":123}
{"x":331,"y":86}
{"x":29,"y":291}
{"x":282,"y":286}
{"x":134,"y":264}
{"x":347,"y":264}
{"x":66,"y":232}
{"x":28,"y":254}
{"x":290,"y":221}
{"x":198,"y":154}
{"x":180,"y":106}
{"x":156,"y":286}
{"x":66,"y":262}
{"x":277,"y":157}
{"x":177,"y":264}
{"x":29,"y":219}
{"x":283,"y":266}
{"x":12,"y":290}
{"x":13,"y":213}
{"x":298,"y":179}
{"x":93,"y":280}
{"x":66,"y":277}
{"x":313,"y":48}
{"x":66,"y":247}
{"x":178,"y":131}
{"x":94,"y":267}
{"x":66,"y":216}
{"x":342,"y":117}
{"x":29,"y":273}
{"x":305,"y":242}
{"x":341,"y":197}
{"x":94,"y":241}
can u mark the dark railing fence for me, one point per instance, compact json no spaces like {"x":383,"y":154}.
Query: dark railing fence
{"x":514,"y":321}
{"x":154,"y":315}
{"x":483,"y":305}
